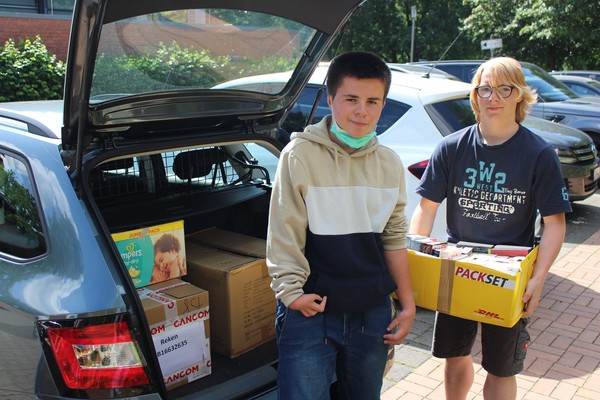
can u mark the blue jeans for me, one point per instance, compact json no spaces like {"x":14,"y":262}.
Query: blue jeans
{"x":315,"y":351}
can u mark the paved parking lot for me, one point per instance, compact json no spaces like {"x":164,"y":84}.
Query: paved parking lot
{"x":563,"y":360}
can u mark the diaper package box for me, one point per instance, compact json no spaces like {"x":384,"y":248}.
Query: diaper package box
{"x":178,"y":315}
{"x":153,"y":254}
{"x":242,"y":303}
{"x":468,"y":288}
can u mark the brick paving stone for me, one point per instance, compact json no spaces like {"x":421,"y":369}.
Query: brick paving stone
{"x":423,"y":381}
{"x":540,"y":366}
{"x":564,"y":391}
{"x":569,"y":372}
{"x":583,"y":393}
{"x":393,"y":393}
{"x":549,"y":353}
{"x":562,"y":342}
{"x":588,"y":363}
{"x":437,"y":394}
{"x":412,"y":388}
{"x":589,"y":336}
{"x":543,"y":339}
{"x":535,"y":396}
{"x":569,"y":359}
{"x":544,"y":386}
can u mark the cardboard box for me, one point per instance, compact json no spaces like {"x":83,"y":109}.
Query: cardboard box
{"x":231,"y":241}
{"x":153,"y":254}
{"x":178,"y":315}
{"x":470,"y":290}
{"x":242,"y":303}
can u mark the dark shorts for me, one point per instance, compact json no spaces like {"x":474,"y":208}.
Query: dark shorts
{"x":503,"y":349}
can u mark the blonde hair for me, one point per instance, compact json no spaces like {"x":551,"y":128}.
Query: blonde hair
{"x":505,"y":70}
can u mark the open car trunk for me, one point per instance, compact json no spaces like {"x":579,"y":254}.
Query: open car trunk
{"x":167,"y":120}
{"x":224,"y":186}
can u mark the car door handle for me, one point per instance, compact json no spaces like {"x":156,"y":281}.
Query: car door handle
{"x":555,"y":118}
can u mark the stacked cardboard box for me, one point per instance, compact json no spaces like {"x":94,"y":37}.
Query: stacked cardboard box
{"x":231,"y":241}
{"x":178,"y":315}
{"x":242,"y":303}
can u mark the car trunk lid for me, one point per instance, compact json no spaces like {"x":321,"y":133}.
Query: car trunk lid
{"x":141,"y":70}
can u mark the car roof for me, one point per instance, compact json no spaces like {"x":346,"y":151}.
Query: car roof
{"x":578,"y":72}
{"x":42,"y":117}
{"x":421,"y":70}
{"x":573,"y":78}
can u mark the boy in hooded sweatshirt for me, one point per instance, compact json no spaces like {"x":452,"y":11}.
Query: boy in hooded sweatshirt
{"x":336,"y":243}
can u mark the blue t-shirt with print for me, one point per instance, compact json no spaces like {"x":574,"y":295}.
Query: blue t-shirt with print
{"x":492,"y":192}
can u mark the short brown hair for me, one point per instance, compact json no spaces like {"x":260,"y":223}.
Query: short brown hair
{"x":508,"y":70}
{"x":359,"y":65}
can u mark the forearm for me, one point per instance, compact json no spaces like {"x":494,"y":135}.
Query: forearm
{"x":551,"y":242}
{"x":398,"y":268}
{"x":423,"y":217}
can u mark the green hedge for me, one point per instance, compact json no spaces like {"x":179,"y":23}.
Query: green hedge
{"x":28,"y":71}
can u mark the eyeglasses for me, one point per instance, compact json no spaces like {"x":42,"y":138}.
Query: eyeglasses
{"x":503,"y":91}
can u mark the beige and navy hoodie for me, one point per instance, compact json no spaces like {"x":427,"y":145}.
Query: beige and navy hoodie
{"x":332,"y":215}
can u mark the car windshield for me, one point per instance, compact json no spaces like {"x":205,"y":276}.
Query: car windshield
{"x":548,"y":88}
{"x":193,"y":50}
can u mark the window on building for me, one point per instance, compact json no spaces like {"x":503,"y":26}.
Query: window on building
{"x":52,"y":7}
{"x":21,"y":6}
{"x":62,"y":7}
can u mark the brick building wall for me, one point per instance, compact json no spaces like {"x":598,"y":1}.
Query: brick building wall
{"x":54,"y":30}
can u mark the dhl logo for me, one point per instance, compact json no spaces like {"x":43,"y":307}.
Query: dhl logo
{"x":489,"y":314}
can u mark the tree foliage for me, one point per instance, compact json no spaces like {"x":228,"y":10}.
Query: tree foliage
{"x":28,"y":71}
{"x":380,"y":26}
{"x":555,"y":34}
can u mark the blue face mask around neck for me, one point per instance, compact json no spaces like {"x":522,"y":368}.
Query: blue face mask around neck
{"x":347,"y":139}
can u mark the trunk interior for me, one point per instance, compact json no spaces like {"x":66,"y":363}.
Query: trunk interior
{"x":226,"y":187}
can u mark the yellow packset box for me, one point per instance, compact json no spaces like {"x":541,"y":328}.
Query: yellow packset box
{"x":470,"y":290}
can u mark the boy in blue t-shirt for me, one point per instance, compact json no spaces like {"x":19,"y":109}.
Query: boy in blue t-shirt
{"x":494,"y":175}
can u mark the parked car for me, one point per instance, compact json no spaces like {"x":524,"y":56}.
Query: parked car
{"x":422,"y":70}
{"x":586,"y":74}
{"x":556,"y":102}
{"x":143,"y":139}
{"x":581,"y":85}
{"x":420,"y":111}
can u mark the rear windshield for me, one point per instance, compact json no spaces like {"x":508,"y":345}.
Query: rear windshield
{"x":298,"y":117}
{"x":194,"y":49}
{"x":452,"y":115}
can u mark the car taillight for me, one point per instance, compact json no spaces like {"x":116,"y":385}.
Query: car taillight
{"x":97,"y":356}
{"x":418,"y":169}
